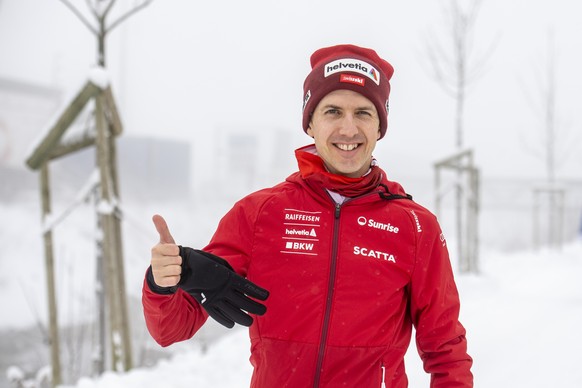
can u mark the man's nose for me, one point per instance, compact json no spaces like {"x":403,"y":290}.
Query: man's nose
{"x":348,"y":126}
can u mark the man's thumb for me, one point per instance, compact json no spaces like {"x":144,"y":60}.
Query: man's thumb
{"x":163,"y":230}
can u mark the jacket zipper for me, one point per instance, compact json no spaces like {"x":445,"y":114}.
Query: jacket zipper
{"x":330,"y":288}
{"x":329,"y":298}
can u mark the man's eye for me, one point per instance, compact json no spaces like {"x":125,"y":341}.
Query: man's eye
{"x":364,"y":113}
{"x":332,"y":111}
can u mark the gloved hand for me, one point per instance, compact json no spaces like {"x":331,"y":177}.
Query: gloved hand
{"x":222,"y":292}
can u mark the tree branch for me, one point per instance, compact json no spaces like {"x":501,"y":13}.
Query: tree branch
{"x":93,"y":9}
{"x":108,"y":8}
{"x":132,"y":11}
{"x":80,"y":16}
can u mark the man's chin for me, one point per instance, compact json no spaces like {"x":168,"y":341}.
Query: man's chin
{"x":349,"y":173}
{"x":351,"y":170}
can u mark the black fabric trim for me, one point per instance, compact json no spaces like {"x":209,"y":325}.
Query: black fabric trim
{"x":155,"y":288}
{"x":389,"y":196}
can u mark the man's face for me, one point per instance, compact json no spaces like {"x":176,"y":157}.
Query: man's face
{"x":346,"y":127}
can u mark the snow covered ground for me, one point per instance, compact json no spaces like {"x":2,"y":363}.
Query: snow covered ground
{"x":523,"y":314}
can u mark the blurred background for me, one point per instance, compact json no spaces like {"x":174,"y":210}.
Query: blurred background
{"x":210,"y":97}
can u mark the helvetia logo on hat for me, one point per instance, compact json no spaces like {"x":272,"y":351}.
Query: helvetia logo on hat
{"x":353,"y":65}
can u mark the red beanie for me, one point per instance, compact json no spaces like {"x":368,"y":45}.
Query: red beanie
{"x":348,"y":67}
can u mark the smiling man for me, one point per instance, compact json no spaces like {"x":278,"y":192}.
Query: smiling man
{"x":332,"y":268}
{"x":345,"y":126}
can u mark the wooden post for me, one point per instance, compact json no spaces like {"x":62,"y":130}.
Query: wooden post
{"x":437,"y":190}
{"x":119,"y":337}
{"x":109,"y":248}
{"x":99,"y":354}
{"x":461,"y":246}
{"x":45,"y":149}
{"x":112,"y":316}
{"x":551,"y":220}
{"x":124,"y":337}
{"x":560,"y":225}
{"x":467,"y":211}
{"x":548,"y":205}
{"x":473,"y":220}
{"x":113,"y":336}
{"x":50,"y":278}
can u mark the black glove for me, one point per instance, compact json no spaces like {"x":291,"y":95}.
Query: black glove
{"x":222,"y":292}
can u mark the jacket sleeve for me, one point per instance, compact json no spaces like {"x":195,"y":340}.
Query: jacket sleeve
{"x":171,"y":317}
{"x":435,"y":305}
{"x":178,"y":316}
{"x":234,"y":236}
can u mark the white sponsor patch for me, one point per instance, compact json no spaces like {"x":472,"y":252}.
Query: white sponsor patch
{"x":301,"y":232}
{"x":353,"y":65}
{"x":299,"y":246}
{"x":418,"y":227}
{"x":377,"y":225}
{"x":375,"y":254}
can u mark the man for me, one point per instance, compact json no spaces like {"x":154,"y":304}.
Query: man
{"x":332,"y":268}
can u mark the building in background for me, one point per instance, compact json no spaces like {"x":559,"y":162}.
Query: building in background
{"x":248,"y":159}
{"x":25,"y":108}
{"x":148,"y":166}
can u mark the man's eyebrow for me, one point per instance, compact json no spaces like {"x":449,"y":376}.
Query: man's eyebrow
{"x":331,"y":106}
{"x":364,"y":107}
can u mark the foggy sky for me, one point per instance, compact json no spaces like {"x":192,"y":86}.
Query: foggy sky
{"x":183,"y":69}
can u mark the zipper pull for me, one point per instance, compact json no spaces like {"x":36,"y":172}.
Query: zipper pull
{"x":337,"y":210}
{"x":383,"y":377}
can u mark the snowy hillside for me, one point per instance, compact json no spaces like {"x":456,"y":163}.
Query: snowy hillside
{"x":523,"y":314}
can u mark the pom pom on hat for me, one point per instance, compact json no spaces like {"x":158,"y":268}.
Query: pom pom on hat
{"x":348,"y":67}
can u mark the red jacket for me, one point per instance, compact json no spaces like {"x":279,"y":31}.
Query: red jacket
{"x":347,"y":283}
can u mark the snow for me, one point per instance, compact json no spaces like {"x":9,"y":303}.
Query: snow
{"x":99,"y":77}
{"x":523,"y":311}
{"x":17,"y":377}
{"x":523,"y":315}
{"x":225,"y":365}
{"x":14,"y":373}
{"x":106,"y":207}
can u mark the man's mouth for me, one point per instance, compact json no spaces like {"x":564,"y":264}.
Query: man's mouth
{"x":347,"y":147}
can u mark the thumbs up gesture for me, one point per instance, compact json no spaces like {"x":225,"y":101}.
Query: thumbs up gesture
{"x":226,"y":296}
{"x":166,"y":261}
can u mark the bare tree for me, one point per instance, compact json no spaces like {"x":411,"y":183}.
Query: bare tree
{"x":549,"y":97}
{"x":452,"y":66}
{"x":554,"y":145}
{"x":110,"y":293}
{"x":100,"y":27}
{"x":454,"y":71}
{"x":553,"y":149}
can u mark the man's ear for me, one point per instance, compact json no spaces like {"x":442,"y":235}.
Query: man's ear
{"x":310,"y":131}
{"x":379,"y":134}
